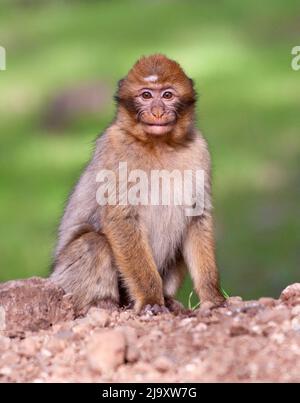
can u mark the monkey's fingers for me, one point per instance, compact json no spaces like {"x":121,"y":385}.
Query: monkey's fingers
{"x":174,"y":306}
{"x":154,"y":309}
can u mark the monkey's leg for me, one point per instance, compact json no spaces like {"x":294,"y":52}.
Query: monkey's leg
{"x":199,"y":254}
{"x":133,"y":256}
{"x":85,"y":269}
{"x":172,"y":280}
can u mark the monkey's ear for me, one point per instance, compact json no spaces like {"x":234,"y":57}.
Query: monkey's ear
{"x":192,"y":82}
{"x":120,"y":83}
{"x":119,"y":86}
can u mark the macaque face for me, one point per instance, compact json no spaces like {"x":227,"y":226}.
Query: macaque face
{"x":156,"y":98}
{"x":156,"y":109}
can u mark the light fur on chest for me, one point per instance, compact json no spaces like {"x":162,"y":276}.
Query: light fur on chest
{"x":165,"y":227}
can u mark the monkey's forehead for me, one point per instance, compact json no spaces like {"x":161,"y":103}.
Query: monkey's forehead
{"x":157,"y":69}
{"x":133,"y":87}
{"x":134,"y":82}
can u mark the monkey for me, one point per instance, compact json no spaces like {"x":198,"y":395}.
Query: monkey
{"x":141,"y":251}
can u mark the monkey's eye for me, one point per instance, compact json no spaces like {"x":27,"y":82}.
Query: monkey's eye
{"x":167,"y":95}
{"x":146,"y":95}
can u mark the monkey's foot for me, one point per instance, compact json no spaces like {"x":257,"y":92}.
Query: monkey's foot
{"x":214,"y":303}
{"x":154,"y":309}
{"x":173,"y":305}
{"x":107,"y":303}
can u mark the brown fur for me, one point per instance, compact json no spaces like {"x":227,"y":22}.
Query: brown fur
{"x":147,"y":248}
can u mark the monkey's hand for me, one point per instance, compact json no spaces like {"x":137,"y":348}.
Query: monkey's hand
{"x":154,"y":309}
{"x":132,"y":253}
{"x":173,"y":305}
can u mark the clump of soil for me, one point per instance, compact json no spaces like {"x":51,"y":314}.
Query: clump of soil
{"x":244,"y":341}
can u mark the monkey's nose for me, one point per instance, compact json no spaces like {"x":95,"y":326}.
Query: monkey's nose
{"x":158,"y":112}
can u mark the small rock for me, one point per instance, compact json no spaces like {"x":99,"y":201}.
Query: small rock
{"x":256,"y":330}
{"x":132,"y":353}
{"x":162,"y":363}
{"x":64,"y":334}
{"x":295,"y":310}
{"x":143,"y":367}
{"x":106,"y":351}
{"x":291,"y":292}
{"x":237,"y":329}
{"x":125,"y":315}
{"x":46,"y":353}
{"x":277,"y":337}
{"x":224,"y":311}
{"x":273,"y":315}
{"x":82,"y":326}
{"x":9,"y":358}
{"x":233,"y":300}
{"x":186,"y":321}
{"x":269,"y":302}
{"x":99,"y":316}
{"x":4,"y":343}
{"x":130,"y":333}
{"x":201,"y":327}
{"x":56,"y":345}
{"x":29,"y":347}
{"x":295,"y":323}
{"x":5,"y":371}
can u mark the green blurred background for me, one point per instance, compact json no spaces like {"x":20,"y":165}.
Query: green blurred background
{"x":63,"y":61}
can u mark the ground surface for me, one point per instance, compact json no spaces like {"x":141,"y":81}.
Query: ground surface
{"x":247,"y":341}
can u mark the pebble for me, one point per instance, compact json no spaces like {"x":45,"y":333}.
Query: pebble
{"x":132,"y":353}
{"x":269,"y":302}
{"x":187,"y":321}
{"x":64,"y":334}
{"x":291,"y":292}
{"x":273,"y":315}
{"x":56,"y":345}
{"x":9,"y":358}
{"x":46,"y":353}
{"x":201,"y":327}
{"x":4,"y":343}
{"x":295,"y":310}
{"x":99,"y":316}
{"x":6,"y":371}
{"x":234,"y":300}
{"x":277,"y":337}
{"x":28,"y":347}
{"x":82,"y":325}
{"x":237,"y":329}
{"x":163,"y":363}
{"x":295,"y":323}
{"x":125,"y":315}
{"x":106,"y":351}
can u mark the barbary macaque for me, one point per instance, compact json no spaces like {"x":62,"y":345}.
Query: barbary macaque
{"x":116,"y":250}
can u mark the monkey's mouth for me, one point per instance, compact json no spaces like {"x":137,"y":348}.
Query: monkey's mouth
{"x":158,"y":128}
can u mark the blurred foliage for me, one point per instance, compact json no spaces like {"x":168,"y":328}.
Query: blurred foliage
{"x":239,"y":54}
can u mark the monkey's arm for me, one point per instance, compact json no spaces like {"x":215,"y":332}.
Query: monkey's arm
{"x":199,"y":254}
{"x":133,"y":255}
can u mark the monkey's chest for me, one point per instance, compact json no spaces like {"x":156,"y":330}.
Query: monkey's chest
{"x":165,"y":226}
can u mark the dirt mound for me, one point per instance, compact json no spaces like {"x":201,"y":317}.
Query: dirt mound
{"x":246,"y":341}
